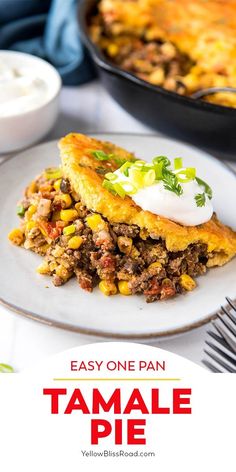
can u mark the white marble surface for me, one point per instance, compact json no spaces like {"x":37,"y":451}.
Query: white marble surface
{"x":23,"y":343}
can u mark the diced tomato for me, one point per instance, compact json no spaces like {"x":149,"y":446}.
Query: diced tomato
{"x":52,"y":230}
{"x":154,"y":288}
{"x":167,"y":291}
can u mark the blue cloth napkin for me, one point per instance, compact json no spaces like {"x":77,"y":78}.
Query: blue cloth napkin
{"x":48,"y":29}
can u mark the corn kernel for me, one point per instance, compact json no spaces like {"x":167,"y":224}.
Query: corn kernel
{"x":112,"y":49}
{"x":43,"y":269}
{"x":52,"y":266}
{"x":187,"y":282}
{"x":124,"y":287}
{"x":62,"y":272}
{"x":69,"y":230}
{"x":157,"y":77}
{"x":68,"y":215}
{"x":16,"y":236}
{"x":75,"y":242}
{"x":66,"y":199}
{"x":45,"y":189}
{"x":124,"y":244}
{"x":166,"y":282}
{"x":31,"y":188}
{"x":30,"y":225}
{"x":43,"y":231}
{"x":82,"y":211}
{"x":95,"y":222}
{"x":155,"y":265}
{"x":57,"y":184}
{"x":107,"y":288}
{"x":52,"y":173}
{"x":30,"y":212}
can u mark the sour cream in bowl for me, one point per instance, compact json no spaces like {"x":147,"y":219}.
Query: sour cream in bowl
{"x":29,"y":99}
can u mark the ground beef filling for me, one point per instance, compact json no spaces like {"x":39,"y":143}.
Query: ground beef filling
{"x":156,"y":61}
{"x":77,"y":242}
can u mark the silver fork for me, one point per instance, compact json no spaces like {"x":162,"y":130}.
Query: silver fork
{"x":220,"y":351}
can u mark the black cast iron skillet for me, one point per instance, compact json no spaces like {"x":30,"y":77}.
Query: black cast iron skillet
{"x":211,"y":127}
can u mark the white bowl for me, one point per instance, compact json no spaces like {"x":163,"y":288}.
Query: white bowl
{"x":19,"y":131}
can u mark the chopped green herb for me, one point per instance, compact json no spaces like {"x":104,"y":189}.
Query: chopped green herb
{"x":6,"y":369}
{"x":200,"y":199}
{"x":207,"y":188}
{"x":20,"y":210}
{"x":171,"y":182}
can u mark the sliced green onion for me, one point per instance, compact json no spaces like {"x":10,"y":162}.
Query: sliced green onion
{"x":206,"y":187}
{"x":178,"y":163}
{"x":100,"y":155}
{"x":163,"y":159}
{"x":119,"y":189}
{"x":158,"y":170}
{"x":125,"y":168}
{"x":149,"y":177}
{"x":128,"y":187}
{"x":139,"y":163}
{"x":108,"y":186}
{"x":69,"y":230}
{"x":6,"y":369}
{"x":118,"y":160}
{"x":103,"y":156}
{"x":20,"y":210}
{"x":188,"y":174}
{"x":136,"y":177}
{"x":53,"y":173}
{"x":110,"y":176}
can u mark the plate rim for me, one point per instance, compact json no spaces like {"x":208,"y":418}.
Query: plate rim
{"x":107,"y":334}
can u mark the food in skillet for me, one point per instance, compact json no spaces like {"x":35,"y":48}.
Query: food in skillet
{"x":183,"y":46}
{"x":121,"y":223}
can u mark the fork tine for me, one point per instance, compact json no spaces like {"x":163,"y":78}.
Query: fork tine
{"x":220,"y":362}
{"x":210,"y":366}
{"x":221,"y":347}
{"x":220,"y":340}
{"x":225,"y":321}
{"x":227,"y":335}
{"x":229,"y":314}
{"x":224,"y":354}
{"x":231,"y":303}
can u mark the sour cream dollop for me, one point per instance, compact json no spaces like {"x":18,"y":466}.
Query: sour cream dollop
{"x":21,"y":90}
{"x":181,"y":209}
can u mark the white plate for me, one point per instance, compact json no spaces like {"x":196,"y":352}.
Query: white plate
{"x":70,"y":307}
